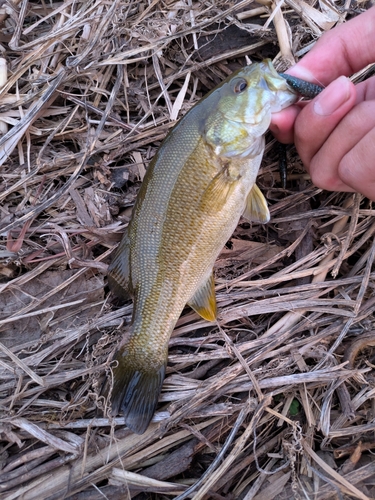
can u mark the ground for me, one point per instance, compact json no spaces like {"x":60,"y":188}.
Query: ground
{"x":276,"y":399}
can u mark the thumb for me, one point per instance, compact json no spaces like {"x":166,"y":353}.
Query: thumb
{"x":318,"y":118}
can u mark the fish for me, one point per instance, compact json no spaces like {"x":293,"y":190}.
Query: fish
{"x":196,"y":188}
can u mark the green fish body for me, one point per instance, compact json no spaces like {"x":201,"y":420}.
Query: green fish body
{"x":198,"y":185}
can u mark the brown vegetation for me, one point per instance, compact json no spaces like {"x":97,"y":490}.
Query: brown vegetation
{"x":276,"y":400}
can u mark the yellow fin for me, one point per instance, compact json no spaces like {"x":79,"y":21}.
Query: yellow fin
{"x":204,"y":301}
{"x":256,"y":209}
{"x":119,"y":270}
{"x":217,"y":192}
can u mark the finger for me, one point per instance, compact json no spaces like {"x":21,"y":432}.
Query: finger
{"x":319,"y":118}
{"x":366,"y":90}
{"x":341,"y":51}
{"x":357,"y":168}
{"x":282,"y":124}
{"x":345,"y":161}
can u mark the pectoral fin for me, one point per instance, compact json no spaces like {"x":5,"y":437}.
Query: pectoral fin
{"x":204,"y":301}
{"x":256,"y":209}
{"x":119,"y":270}
{"x":217,"y":192}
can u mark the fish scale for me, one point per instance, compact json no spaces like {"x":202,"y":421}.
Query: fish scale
{"x":200,"y":182}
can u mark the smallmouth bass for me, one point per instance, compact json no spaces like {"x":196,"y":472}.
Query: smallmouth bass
{"x":198,"y":185}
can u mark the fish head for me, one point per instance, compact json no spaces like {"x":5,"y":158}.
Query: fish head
{"x":242,"y":109}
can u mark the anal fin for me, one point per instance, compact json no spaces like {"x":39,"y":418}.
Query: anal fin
{"x":119,"y":270}
{"x":256,"y":209}
{"x":204,"y":300}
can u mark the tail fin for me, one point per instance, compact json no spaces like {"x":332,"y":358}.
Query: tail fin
{"x":136,"y":392}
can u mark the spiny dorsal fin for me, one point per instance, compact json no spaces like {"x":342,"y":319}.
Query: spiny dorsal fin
{"x":256,"y":209}
{"x":119,"y":270}
{"x":204,"y":301}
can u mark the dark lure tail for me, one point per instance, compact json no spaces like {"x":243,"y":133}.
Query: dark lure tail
{"x":306,"y":89}
{"x":136,"y":390}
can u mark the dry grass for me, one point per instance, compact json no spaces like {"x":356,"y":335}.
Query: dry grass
{"x":276,"y":400}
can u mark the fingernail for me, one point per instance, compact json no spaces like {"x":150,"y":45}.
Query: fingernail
{"x":334,"y":96}
{"x":303,"y":73}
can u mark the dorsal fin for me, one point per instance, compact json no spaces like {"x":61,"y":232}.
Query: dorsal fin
{"x":119,"y":280}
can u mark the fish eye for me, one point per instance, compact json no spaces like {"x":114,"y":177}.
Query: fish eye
{"x":240,"y":86}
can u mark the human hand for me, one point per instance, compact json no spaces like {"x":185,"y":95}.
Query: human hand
{"x":335,"y":132}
